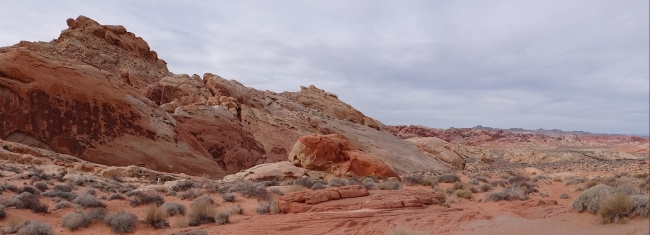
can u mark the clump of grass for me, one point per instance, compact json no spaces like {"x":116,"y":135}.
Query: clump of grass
{"x":221,"y":217}
{"x":615,"y":207}
{"x":499,"y":183}
{"x":62,"y":204}
{"x":565,"y":196}
{"x":448,"y":179}
{"x":30,"y":201}
{"x":463,"y":193}
{"x":304,"y":181}
{"x":62,"y":188}
{"x":182,"y":185}
{"x":319,"y":185}
{"x":412,"y":179}
{"x":75,"y":220}
{"x":88,"y":200}
{"x":236,"y":209}
{"x":12,"y":225}
{"x":192,"y":193}
{"x":42,"y":186}
{"x":250,"y":189}
{"x":336,"y":182}
{"x":368,"y":183}
{"x":485,"y":187}
{"x":589,"y":199}
{"x":121,"y":222}
{"x":35,"y":227}
{"x":173,"y":208}
{"x":116,"y":196}
{"x":228,"y":197}
{"x":201,"y":212}
{"x":146,"y":198}
{"x":388,"y":185}
{"x":3,"y":214}
{"x":70,"y":196}
{"x":640,"y":206}
{"x":429,"y":181}
{"x":155,"y":217}
{"x":508,"y":194}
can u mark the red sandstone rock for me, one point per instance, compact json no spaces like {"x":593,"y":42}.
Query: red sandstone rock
{"x":336,"y":154}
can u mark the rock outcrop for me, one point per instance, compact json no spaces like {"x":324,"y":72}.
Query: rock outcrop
{"x":336,"y":154}
{"x":439,"y":148}
{"x":99,"y":93}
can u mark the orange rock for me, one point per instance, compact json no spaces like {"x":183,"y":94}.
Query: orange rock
{"x":336,"y":154}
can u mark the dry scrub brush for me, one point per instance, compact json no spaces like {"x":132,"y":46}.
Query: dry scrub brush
{"x":35,"y":227}
{"x":615,"y":207}
{"x":588,"y":200}
{"x":121,"y":222}
{"x":155,"y":217}
{"x":201,"y":211}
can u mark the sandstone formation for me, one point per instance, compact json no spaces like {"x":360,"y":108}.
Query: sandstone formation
{"x":100,"y":93}
{"x":336,"y":154}
{"x":439,"y":148}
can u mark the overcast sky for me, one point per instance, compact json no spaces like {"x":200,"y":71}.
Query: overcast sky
{"x":571,"y":65}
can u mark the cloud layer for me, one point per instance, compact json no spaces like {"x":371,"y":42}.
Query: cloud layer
{"x":573,"y":65}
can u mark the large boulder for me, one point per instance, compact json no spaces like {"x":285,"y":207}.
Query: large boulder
{"x":336,"y":154}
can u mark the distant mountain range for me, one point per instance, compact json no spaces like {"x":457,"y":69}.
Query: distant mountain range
{"x":553,"y":132}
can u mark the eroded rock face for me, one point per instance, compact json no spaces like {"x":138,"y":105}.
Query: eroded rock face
{"x":336,"y":154}
{"x":439,"y":148}
{"x":100,"y":93}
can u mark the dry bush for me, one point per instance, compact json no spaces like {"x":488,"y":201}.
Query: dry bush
{"x":263,"y":208}
{"x":588,"y":200}
{"x":221,"y":217}
{"x":304,"y":181}
{"x":201,"y":212}
{"x":564,"y":196}
{"x":70,"y":196}
{"x":448,"y":179}
{"x":42,"y":186}
{"x":181,"y":222}
{"x":295,"y":188}
{"x":249,"y":189}
{"x":236,"y":209}
{"x":640,"y":206}
{"x":336,"y":182}
{"x":88,"y":200}
{"x":405,"y":231}
{"x":485,"y":187}
{"x":173,"y":208}
{"x":499,"y":183}
{"x":121,"y":222}
{"x":615,"y":207}
{"x":182,"y":185}
{"x":228,"y":197}
{"x":116,"y":196}
{"x":590,"y":183}
{"x":75,"y":220}
{"x":12,"y":225}
{"x":192,"y":232}
{"x":318,"y":186}
{"x":146,"y":198}
{"x":61,"y":205}
{"x":508,"y":194}
{"x":463,"y":193}
{"x":36,"y":227}
{"x":430,"y":181}
{"x":30,"y":201}
{"x":155,"y":217}
{"x":276,"y":191}
{"x":518,"y":179}
{"x":368,"y":183}
{"x":62,"y":188}
{"x":412,"y":179}
{"x":473,"y":182}
{"x":3,"y":214}
{"x":388,"y":185}
{"x":192,"y":193}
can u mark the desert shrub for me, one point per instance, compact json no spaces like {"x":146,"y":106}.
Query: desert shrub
{"x":75,"y":220}
{"x":354,"y":181}
{"x":628,"y":189}
{"x":236,"y":209}
{"x":262,"y":208}
{"x":517,"y":179}
{"x":3,"y":214}
{"x":117,"y":178}
{"x":499,"y":183}
{"x":368,"y":183}
{"x":97,"y":214}
{"x":182,"y":185}
{"x":61,"y":205}
{"x":412,"y":179}
{"x":192,"y":193}
{"x":70,"y":196}
{"x":173,"y":208}
{"x":318,"y":186}
{"x":203,"y":198}
{"x":459,"y":185}
{"x":155,"y":217}
{"x":171,"y":193}
{"x":11,"y":187}
{"x":222,"y":217}
{"x":429,"y":181}
{"x":463,"y":193}
{"x":88,"y":200}
{"x":62,"y":188}
{"x":89,"y":191}
{"x":570,"y":182}
{"x":12,"y":225}
{"x":121,"y":222}
{"x":588,"y":200}
{"x":388,"y":185}
{"x":35,"y":227}
{"x":201,"y":212}
{"x":640,"y":206}
{"x":276,"y":191}
{"x":30,"y":201}
{"x":405,"y":231}
{"x":590,"y":183}
{"x":614,"y":207}
{"x":192,"y":232}
{"x":250,"y":189}
{"x":473,"y":182}
{"x":42,"y":186}
{"x":485,"y":187}
{"x":508,"y":194}
{"x":304,"y":181}
{"x":228,"y":197}
{"x":481,"y":179}
{"x":146,"y":198}
{"x":448,"y":179}
{"x":269,"y":183}
{"x":116,"y":196}
{"x":564,"y":196}
{"x":336,"y":182}
{"x":31,"y":190}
